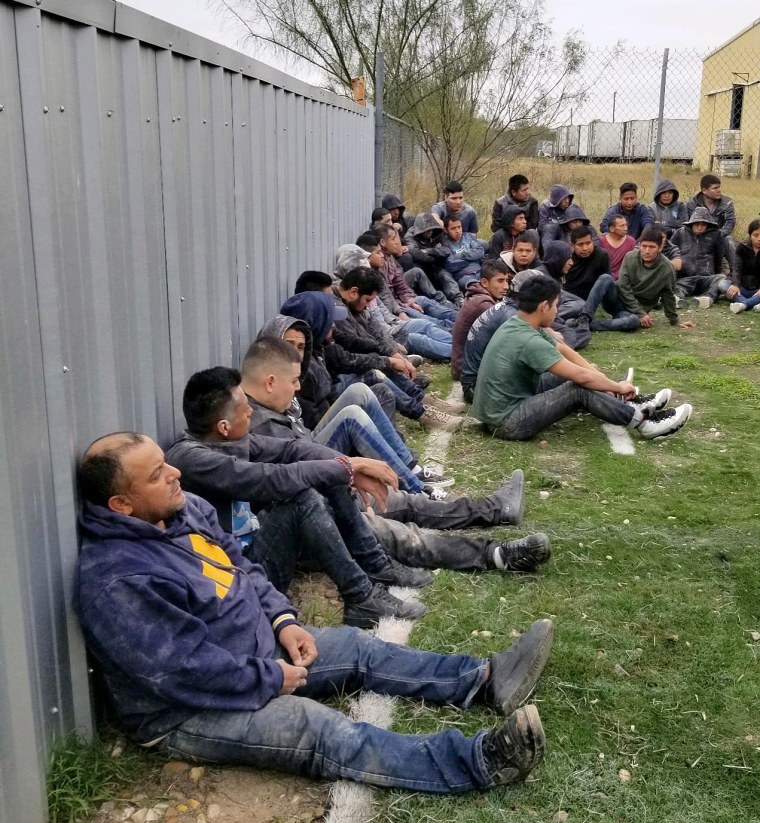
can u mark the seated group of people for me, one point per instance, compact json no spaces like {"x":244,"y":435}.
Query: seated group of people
{"x":296,"y":460}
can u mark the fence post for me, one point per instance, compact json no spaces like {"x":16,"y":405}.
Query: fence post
{"x":379,"y":89}
{"x":660,"y":115}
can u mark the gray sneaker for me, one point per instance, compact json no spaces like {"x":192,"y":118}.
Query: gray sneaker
{"x":366,"y":613}
{"x":515,"y":672}
{"x":430,"y":478}
{"x":512,"y":751}
{"x":434,"y":419}
{"x":511,"y":497}
{"x":651,"y":402}
{"x":523,"y":555}
{"x":397,"y":574}
{"x":664,"y":422}
{"x":447,"y":406}
{"x":415,"y":359}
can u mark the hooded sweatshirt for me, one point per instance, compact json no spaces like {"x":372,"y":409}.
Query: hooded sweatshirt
{"x":637,"y":218}
{"x":476,"y":301}
{"x":466,"y":214}
{"x":178,"y":619}
{"x":406,"y":221}
{"x":549,"y":210}
{"x":530,"y":207}
{"x":670,"y":217}
{"x":430,"y":255}
{"x":556,"y":254}
{"x":574,"y":212}
{"x":503,"y":239}
{"x":701,"y":254}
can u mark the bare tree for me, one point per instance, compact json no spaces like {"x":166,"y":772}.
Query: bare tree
{"x":472,"y":76}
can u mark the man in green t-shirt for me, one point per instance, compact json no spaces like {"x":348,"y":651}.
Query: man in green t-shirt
{"x":529,"y":380}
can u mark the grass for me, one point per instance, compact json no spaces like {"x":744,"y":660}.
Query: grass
{"x":653,"y":587}
{"x":595,"y":186}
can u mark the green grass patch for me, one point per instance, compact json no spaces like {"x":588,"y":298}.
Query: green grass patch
{"x":654,"y":572}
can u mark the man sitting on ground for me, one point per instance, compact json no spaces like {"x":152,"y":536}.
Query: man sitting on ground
{"x":204,"y":659}
{"x":703,"y":249}
{"x":453,"y":205}
{"x":617,"y":243}
{"x":528,"y":380}
{"x":518,"y":194}
{"x":720,"y":207}
{"x":637,"y":214}
{"x":429,"y":253}
{"x":551,"y":211}
{"x":668,"y":212}
{"x":573,"y":218}
{"x":514,"y":225}
{"x":466,"y":252}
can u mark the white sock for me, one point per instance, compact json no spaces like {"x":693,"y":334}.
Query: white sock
{"x":637,"y":419}
{"x":498,"y":560}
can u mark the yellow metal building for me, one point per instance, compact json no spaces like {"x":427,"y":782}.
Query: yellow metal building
{"x":728,"y":129}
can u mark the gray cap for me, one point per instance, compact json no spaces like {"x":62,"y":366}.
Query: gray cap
{"x":701,"y":215}
{"x":516,"y":283}
{"x":350,"y":257}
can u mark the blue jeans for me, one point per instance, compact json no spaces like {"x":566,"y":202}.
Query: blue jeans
{"x":407,"y":393}
{"x":428,"y":339}
{"x":605,"y":293}
{"x":554,"y":400}
{"x":294,"y":733}
{"x":437,"y":311}
{"x":749,"y":297}
{"x":356,"y":423}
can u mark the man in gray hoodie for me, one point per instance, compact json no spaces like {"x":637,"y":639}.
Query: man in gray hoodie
{"x":668,"y":212}
{"x":703,"y":249}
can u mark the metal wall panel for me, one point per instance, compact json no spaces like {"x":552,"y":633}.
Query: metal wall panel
{"x":158,"y":205}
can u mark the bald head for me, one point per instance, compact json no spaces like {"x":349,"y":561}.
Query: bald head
{"x":100,"y":471}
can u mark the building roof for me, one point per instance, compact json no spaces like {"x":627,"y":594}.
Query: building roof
{"x":731,"y":39}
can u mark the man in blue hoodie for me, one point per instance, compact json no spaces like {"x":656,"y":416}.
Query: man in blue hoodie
{"x":551,"y":211}
{"x":637,"y":214}
{"x":205,"y":659}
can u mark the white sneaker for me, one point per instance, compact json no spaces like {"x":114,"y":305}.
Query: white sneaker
{"x":680,"y":302}
{"x":704,"y":302}
{"x":756,"y":308}
{"x":737,"y":308}
{"x":664,"y":422}
{"x":651,"y":402}
{"x":431,"y":478}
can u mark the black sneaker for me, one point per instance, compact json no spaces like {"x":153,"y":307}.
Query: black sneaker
{"x":434,"y":493}
{"x":422,"y":380}
{"x":380,"y":603}
{"x":515,"y":672}
{"x":397,"y":574}
{"x":512,"y":751}
{"x":431,"y":478}
{"x":511,"y":499}
{"x":651,"y":402}
{"x":523,"y":555}
{"x":664,"y":422}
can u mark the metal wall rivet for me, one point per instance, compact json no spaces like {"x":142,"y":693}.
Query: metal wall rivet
{"x":65,"y":369}
{"x":182,"y":300}
{"x":1,"y":107}
{"x":62,"y":108}
{"x":204,"y":121}
{"x":109,"y":113}
{"x":243,"y":125}
{"x":45,"y":109}
{"x":54,"y":709}
{"x":147,"y":119}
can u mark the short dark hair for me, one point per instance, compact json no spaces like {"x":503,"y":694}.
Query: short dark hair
{"x":268,"y":353}
{"x":535,"y":290}
{"x":383,"y":230}
{"x":516,"y":181}
{"x":451,"y":218}
{"x":709,"y":180}
{"x":312,"y":280}
{"x":651,"y":234}
{"x":526,"y":237}
{"x":753,"y":226}
{"x":368,"y":240}
{"x":100,"y":475}
{"x":491,"y":268}
{"x":207,"y":398}
{"x":452,"y":187}
{"x":616,"y":217}
{"x":378,"y":214}
{"x":366,"y":280}
{"x":626,"y":187}
{"x":580,"y":231}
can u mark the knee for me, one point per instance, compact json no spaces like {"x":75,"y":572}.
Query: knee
{"x":358,"y":394}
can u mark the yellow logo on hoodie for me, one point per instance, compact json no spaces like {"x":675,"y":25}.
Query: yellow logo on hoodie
{"x":221,"y":577}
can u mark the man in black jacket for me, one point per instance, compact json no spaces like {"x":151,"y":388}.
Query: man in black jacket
{"x":518,"y":194}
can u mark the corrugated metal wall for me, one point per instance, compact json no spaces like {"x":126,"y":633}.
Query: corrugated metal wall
{"x":161,"y":193}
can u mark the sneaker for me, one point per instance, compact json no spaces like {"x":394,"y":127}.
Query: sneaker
{"x":515,"y":672}
{"x":680,"y":302}
{"x":511,"y":497}
{"x":512,"y":751}
{"x":422,"y":380}
{"x":582,"y":321}
{"x":704,"y":302}
{"x":435,"y":493}
{"x":651,"y":402}
{"x":756,"y":308}
{"x":366,"y":613}
{"x":432,"y":418}
{"x":397,"y":574}
{"x":415,"y":359}
{"x":448,"y":406}
{"x":737,"y":308}
{"x":664,"y":422}
{"x":523,"y":555}
{"x":430,"y":478}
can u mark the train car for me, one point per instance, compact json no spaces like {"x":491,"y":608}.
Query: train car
{"x":606,"y":141}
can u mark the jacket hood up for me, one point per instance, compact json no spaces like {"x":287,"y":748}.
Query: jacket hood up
{"x":425,"y":222}
{"x":316,"y":308}
{"x":702,"y":215}
{"x":277,"y":327}
{"x":556,"y":254}
{"x":573,"y":212}
{"x":558,"y":193}
{"x":509,"y":213}
{"x":662,"y":187}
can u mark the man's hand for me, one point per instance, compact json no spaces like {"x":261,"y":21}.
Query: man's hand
{"x":403,"y":315}
{"x":371,"y":479}
{"x":555,"y":334}
{"x":293,"y":677}
{"x":626,"y":390}
{"x":731,"y":292}
{"x":417,"y":307}
{"x":687,"y":324}
{"x":299,"y":644}
{"x":401,"y":364}
{"x":646,"y":322}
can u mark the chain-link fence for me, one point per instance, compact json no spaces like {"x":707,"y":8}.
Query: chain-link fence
{"x":402,"y":154}
{"x":710,"y":105}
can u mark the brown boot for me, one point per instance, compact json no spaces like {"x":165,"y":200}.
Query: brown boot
{"x":435,"y":419}
{"x":447,"y":406}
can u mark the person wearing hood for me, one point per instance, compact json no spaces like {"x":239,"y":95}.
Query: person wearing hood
{"x":573,"y":218}
{"x":551,"y":211}
{"x":744,"y":291}
{"x":401,"y":220}
{"x":667,"y":211}
{"x":557,"y":261}
{"x":453,"y":205}
{"x":636,"y":214}
{"x":703,"y":249}
{"x":518,"y":194}
{"x":429,"y":253}
{"x":265,"y":382}
{"x":515,"y":224}
{"x":282,"y":499}
{"x":466,"y":252}
{"x":204,"y":659}
{"x":617,"y":242}
{"x":589,"y":262}
{"x":353,"y":424}
{"x":480,"y":295}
